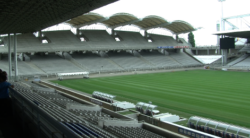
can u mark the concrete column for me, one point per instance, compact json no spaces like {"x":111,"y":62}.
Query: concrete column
{"x":9,"y":57}
{"x":112,"y":31}
{"x":196,"y":51}
{"x":218,"y":51}
{"x":224,"y":56}
{"x":77,"y":31}
{"x":145,"y":34}
{"x":207,"y":51}
{"x":15,"y":56}
{"x":177,"y":38}
{"x":40,"y":34}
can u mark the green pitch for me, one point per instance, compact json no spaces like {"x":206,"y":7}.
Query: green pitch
{"x":219,"y":95}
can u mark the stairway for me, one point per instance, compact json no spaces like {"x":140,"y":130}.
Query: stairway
{"x":34,"y":66}
{"x":192,"y":56}
{"x":174,"y":60}
{"x":78,"y":64}
{"x":112,"y":62}
{"x":148,"y":62}
{"x":241,"y":58}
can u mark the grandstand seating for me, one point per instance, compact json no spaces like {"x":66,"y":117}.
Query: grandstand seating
{"x":65,"y":40}
{"x":244,"y":63}
{"x":128,"y":61}
{"x":158,"y":59}
{"x":238,"y":60}
{"x":161,"y":40}
{"x":81,"y":122}
{"x":97,"y":40}
{"x":184,"y":59}
{"x":26,"y":42}
{"x":23,"y":68}
{"x":246,"y":48}
{"x":131,"y":132}
{"x":54,"y":64}
{"x":122,"y":61}
{"x":94,"y":62}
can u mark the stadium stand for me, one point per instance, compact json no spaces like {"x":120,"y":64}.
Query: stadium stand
{"x":43,"y":61}
{"x":94,"y":62}
{"x":128,"y":61}
{"x":65,"y":40}
{"x":244,"y":63}
{"x":129,"y":132}
{"x":184,"y":59}
{"x":23,"y":68}
{"x":53,"y":64}
{"x":158,"y":59}
{"x":161,"y":40}
{"x":77,"y":117}
{"x":246,"y":48}
{"x":243,"y":57}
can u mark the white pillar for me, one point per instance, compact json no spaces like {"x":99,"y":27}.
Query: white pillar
{"x":145,"y":34}
{"x":9,"y":57}
{"x":15,"y":57}
{"x":224,"y":56}
{"x":77,"y":31}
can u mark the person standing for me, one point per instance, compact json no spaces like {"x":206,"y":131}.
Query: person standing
{"x":5,"y":101}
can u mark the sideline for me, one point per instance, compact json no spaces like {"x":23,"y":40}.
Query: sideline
{"x":124,"y":73}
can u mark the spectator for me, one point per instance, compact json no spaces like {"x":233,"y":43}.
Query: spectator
{"x":5,"y":101}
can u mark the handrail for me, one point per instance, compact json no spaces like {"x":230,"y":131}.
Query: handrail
{"x":55,"y":123}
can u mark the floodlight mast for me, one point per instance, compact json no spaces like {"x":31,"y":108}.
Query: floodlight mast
{"x":222,"y":21}
{"x":223,"y":51}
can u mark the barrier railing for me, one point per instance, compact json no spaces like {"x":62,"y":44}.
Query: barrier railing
{"x":37,"y":115}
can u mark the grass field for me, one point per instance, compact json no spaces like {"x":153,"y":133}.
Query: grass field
{"x":219,"y":95}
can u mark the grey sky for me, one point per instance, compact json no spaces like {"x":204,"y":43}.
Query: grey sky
{"x":199,"y":13}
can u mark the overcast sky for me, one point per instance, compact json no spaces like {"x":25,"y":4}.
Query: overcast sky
{"x":199,"y":13}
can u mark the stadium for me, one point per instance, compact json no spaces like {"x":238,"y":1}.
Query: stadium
{"x":110,"y":83}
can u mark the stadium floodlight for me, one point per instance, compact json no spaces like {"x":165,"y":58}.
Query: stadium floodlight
{"x":222,"y":22}
{"x":117,"y":39}
{"x":149,"y":40}
{"x":82,"y":39}
{"x":44,"y":41}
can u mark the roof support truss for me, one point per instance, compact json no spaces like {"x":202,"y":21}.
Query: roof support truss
{"x":91,"y":22}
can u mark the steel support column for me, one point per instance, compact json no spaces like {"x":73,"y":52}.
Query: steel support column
{"x":15,"y":56}
{"x":9,"y":57}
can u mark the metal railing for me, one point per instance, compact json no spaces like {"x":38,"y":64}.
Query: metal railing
{"x":39,"y":116}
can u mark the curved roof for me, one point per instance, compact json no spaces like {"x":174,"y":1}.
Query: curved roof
{"x":179,"y":26}
{"x":150,"y":22}
{"x":120,"y":19}
{"x":86,"y":19}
